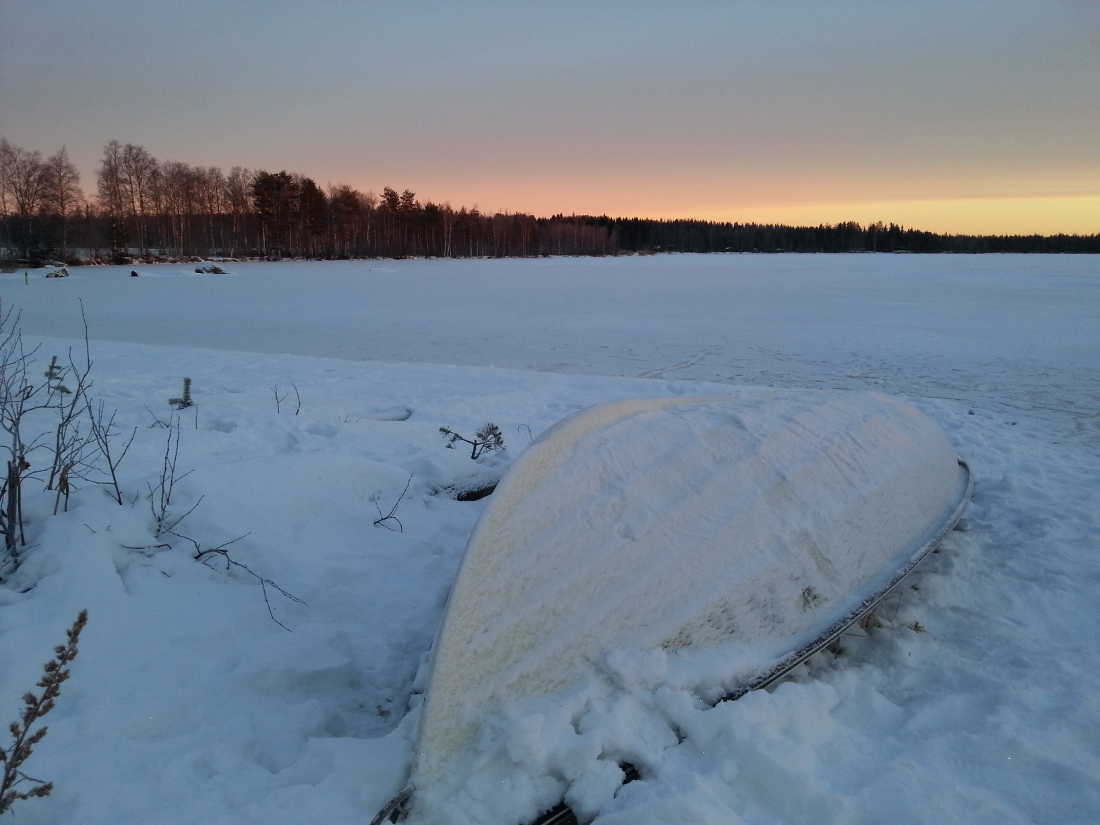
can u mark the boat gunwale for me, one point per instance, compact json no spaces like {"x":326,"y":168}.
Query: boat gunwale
{"x":793,"y":660}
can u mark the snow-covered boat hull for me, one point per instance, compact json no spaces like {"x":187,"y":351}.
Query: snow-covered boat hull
{"x":761,"y":523}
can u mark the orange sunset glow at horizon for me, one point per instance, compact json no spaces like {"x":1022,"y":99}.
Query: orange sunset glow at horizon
{"x":954,"y":117}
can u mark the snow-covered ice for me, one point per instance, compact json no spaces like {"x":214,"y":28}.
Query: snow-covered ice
{"x":973,"y":701}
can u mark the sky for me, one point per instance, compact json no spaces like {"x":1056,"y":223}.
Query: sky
{"x":961,"y":116}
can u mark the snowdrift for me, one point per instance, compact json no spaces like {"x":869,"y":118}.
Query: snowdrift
{"x":757,"y":526}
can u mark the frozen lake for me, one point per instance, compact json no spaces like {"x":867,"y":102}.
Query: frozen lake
{"x":981,"y":328}
{"x":971,"y":703}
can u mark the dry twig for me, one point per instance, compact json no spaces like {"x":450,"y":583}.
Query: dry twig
{"x":222,"y":551}
{"x":391,"y":515}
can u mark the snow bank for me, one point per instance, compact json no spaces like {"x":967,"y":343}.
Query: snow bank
{"x":732,"y":530}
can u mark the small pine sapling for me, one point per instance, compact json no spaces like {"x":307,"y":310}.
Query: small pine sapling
{"x":485,"y":440}
{"x":55,"y":374}
{"x":184,"y":401}
{"x":56,"y":671}
{"x":491,"y":437}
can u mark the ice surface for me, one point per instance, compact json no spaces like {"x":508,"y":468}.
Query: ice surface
{"x":188,"y":704}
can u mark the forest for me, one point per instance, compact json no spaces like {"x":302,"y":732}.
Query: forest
{"x":147,"y":209}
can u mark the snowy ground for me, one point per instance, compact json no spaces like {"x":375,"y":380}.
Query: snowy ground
{"x":189,"y":704}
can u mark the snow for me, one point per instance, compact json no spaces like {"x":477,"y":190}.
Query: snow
{"x":753,"y":523}
{"x":189,"y":704}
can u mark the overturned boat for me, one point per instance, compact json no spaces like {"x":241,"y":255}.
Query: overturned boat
{"x":761,"y":524}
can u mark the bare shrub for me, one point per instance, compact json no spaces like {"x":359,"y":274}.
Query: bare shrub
{"x":160,"y":497}
{"x":69,"y":442}
{"x":19,"y":397}
{"x":102,"y":434}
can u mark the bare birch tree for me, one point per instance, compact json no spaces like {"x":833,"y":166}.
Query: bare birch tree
{"x":112,"y":199}
{"x":62,"y":192}
{"x":26,"y":179}
{"x":137,"y":168}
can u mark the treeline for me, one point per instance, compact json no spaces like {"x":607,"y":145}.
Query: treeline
{"x":147,"y":208}
{"x":645,"y":234}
